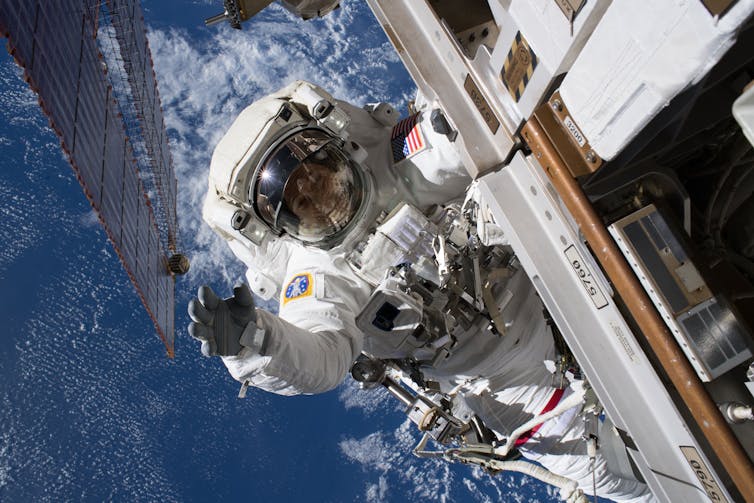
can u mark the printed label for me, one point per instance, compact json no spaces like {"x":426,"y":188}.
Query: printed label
{"x":703,"y":474}
{"x":481,"y":104}
{"x":582,"y":271}
{"x":627,"y":347}
{"x":574,"y":130}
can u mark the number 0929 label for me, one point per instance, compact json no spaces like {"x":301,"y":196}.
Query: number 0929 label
{"x":583,"y":273}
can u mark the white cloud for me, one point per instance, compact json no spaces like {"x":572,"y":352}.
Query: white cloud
{"x":367,"y":401}
{"x":5,"y":457}
{"x":388,"y":454}
{"x":377,"y":493}
{"x":473,"y":489}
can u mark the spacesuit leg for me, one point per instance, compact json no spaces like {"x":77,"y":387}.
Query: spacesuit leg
{"x":560,"y":447}
{"x":558,"y":444}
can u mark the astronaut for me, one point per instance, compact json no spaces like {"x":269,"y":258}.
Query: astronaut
{"x":362,"y":226}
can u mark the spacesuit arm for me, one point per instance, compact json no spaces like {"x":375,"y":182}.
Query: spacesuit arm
{"x":293,"y":360}
{"x":311,"y":345}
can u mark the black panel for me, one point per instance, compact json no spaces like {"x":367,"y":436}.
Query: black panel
{"x":665,"y":282}
{"x":714,"y":336}
{"x":662,"y":227}
{"x":734,"y":334}
{"x":708,"y":351}
{"x":652,"y":231}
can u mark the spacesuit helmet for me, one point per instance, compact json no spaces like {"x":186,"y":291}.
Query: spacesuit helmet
{"x":308,"y":188}
{"x":286,"y":170}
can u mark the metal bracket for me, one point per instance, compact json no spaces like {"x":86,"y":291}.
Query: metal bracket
{"x":568,"y":140}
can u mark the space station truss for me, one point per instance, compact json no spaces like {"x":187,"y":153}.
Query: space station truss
{"x":89,"y":63}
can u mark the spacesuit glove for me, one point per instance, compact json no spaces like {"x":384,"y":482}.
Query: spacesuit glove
{"x":223,"y":326}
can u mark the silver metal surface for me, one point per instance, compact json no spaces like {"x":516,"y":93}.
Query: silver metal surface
{"x":535,"y":223}
{"x":707,"y":330}
{"x":219,"y":18}
{"x":441,"y":71}
{"x":541,"y":231}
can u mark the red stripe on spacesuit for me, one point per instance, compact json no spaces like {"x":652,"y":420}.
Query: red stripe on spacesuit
{"x":411,"y":138}
{"x":404,"y":126}
{"x":551,"y":404}
{"x":415,"y":139}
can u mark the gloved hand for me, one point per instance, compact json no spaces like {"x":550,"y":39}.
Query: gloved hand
{"x":219,"y":324}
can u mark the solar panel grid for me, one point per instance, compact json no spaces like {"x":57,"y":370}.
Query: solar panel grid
{"x":131,"y":197}
{"x":91,"y":18}
{"x":148,"y":106}
{"x":124,"y":42}
{"x":142,"y":247}
{"x":168,"y":185}
{"x":173,"y":185}
{"x":48,"y":20}
{"x":152,"y":102}
{"x":138,"y":81}
{"x":90,"y":175}
{"x":90,"y":129}
{"x":148,"y":97}
{"x":47,"y":84}
{"x":170,"y":310}
{"x":130,"y":31}
{"x":121,"y":7}
{"x":69,"y":42}
{"x":142,"y":240}
{"x":115,"y":168}
{"x":155,"y":118}
{"x":20,"y":18}
{"x":61,"y":80}
{"x":164,"y":286}
{"x":112,"y":195}
{"x":153,"y":264}
{"x":57,"y":18}
{"x":137,"y":24}
{"x":145,"y":110}
{"x":162,"y":299}
{"x":65,"y":107}
{"x":149,"y":295}
{"x":63,"y":64}
{"x":90,"y":167}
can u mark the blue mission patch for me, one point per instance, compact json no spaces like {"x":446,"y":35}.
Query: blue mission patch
{"x":300,"y":286}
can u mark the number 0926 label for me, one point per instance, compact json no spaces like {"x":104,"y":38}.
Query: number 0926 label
{"x":583,"y":273}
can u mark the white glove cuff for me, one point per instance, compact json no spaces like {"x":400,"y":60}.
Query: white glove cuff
{"x":253,"y":337}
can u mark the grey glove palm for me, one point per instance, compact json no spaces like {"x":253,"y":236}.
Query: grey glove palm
{"x":219,"y":324}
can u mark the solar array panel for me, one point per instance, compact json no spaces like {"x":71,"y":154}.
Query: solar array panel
{"x":143,"y":97}
{"x":56,"y":44}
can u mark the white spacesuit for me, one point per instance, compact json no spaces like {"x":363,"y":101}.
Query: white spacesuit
{"x":357,"y":222}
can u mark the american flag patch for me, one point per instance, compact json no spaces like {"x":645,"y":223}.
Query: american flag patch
{"x":407,"y":138}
